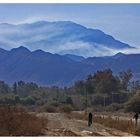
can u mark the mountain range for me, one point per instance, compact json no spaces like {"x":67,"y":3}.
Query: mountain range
{"x":61,"y":37}
{"x":46,"y":68}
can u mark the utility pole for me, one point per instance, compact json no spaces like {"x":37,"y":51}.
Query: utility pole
{"x":112,"y":96}
{"x":86,"y":102}
{"x":119,"y":99}
{"x":105,"y":95}
{"x":86,"y":99}
{"x":57,"y":94}
{"x":104,"y":101}
{"x":118,"y":96}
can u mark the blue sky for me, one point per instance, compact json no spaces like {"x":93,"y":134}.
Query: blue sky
{"x":119,"y":20}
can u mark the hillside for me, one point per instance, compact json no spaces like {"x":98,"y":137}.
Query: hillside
{"x":53,"y":69}
{"x":117,"y":63}
{"x":41,"y":67}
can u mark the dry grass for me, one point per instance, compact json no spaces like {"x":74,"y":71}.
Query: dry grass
{"x":123,"y":125}
{"x":77,"y":115}
{"x":16,"y":121}
{"x":108,"y":121}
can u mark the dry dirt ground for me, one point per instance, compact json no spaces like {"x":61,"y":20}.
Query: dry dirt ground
{"x":60,"y":124}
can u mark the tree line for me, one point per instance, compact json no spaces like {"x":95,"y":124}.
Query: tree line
{"x":101,"y":90}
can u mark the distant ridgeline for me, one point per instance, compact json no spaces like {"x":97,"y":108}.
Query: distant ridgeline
{"x":46,"y":68}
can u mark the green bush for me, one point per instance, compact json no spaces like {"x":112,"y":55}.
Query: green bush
{"x":98,"y":99}
{"x":54,"y":103}
{"x":69,"y":100}
{"x":97,"y":108}
{"x":28,"y":101}
{"x":114,"y":107}
{"x":133,"y":105}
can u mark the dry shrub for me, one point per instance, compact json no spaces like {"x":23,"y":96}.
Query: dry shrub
{"x":50,"y":109}
{"x":16,"y":121}
{"x":78,"y":116}
{"x":123,"y":125}
{"x":137,"y":132}
{"x":66,"y":108}
{"x":46,"y":108}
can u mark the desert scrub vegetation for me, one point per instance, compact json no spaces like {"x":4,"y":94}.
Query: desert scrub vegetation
{"x":77,"y":115}
{"x":65,"y":109}
{"x":47,"y":108}
{"x":55,"y":108}
{"x":16,"y":121}
{"x":123,"y":125}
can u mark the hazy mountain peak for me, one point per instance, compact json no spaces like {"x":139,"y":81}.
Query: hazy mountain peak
{"x":118,"y":55}
{"x":5,"y":26}
{"x":62,"y":37}
{"x":2,"y":51}
{"x":41,"y":52}
{"x":20,"y":49}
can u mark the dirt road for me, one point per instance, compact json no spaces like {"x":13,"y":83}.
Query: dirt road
{"x":59,"y":124}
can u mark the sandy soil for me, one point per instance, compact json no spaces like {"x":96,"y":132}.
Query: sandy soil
{"x":59,"y":124}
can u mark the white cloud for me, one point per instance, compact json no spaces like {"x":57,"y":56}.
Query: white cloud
{"x":131,"y":51}
{"x":44,"y":38}
{"x":86,"y":49}
{"x":31,"y":19}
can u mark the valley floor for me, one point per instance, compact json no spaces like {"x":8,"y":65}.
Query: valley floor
{"x":60,"y":124}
